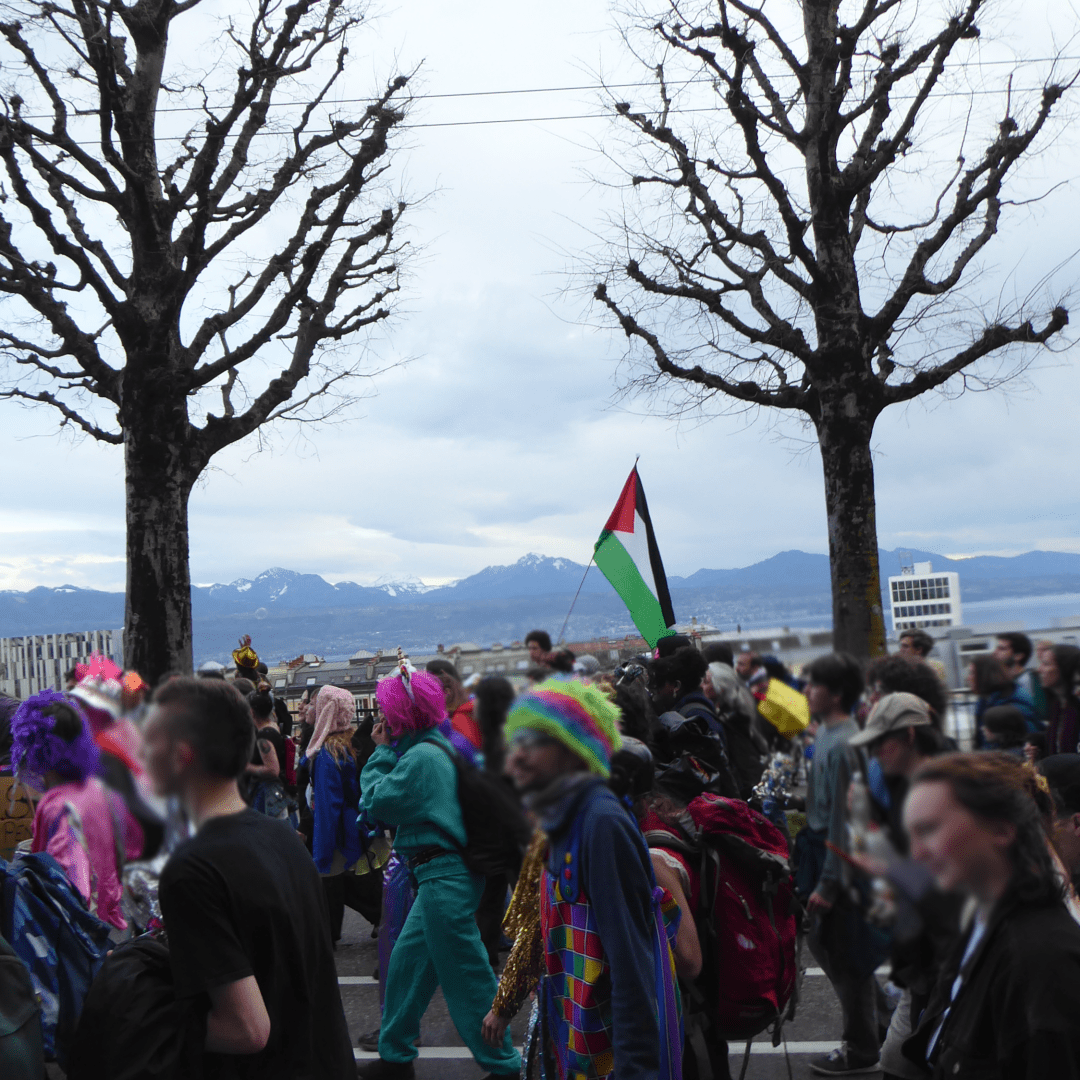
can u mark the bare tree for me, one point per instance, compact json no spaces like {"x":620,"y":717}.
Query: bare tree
{"x":186,"y":225}
{"x":809,"y":244}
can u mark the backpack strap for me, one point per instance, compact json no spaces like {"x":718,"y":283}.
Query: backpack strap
{"x":456,"y":761}
{"x":661,"y":838}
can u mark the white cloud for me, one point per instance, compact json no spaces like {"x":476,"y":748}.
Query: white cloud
{"x":501,"y":436}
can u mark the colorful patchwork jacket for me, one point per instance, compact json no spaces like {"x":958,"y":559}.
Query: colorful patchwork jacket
{"x":609,"y":996}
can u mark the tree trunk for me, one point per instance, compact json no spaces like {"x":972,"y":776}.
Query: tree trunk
{"x":844,"y":435}
{"x":157,"y":611}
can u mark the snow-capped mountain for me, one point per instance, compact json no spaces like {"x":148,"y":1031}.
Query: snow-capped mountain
{"x":288,"y":613}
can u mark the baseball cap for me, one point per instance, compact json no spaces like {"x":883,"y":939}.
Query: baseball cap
{"x":893,"y":712}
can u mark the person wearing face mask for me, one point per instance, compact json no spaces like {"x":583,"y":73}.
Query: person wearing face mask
{"x":1007,"y":999}
{"x":1059,"y":673}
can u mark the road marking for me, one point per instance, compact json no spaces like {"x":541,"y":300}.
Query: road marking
{"x":883,"y":970}
{"x":367,"y":980}
{"x":792,"y":1048}
{"x":432,"y":1053}
{"x":762,"y":1049}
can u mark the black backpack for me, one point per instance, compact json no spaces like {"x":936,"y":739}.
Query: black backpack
{"x":498,"y":831}
{"x":21,"y":1053}
{"x":132,"y":1026}
{"x":743,"y":755}
{"x":692,"y":758}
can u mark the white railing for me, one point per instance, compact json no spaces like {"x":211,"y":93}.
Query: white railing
{"x":960,"y":718}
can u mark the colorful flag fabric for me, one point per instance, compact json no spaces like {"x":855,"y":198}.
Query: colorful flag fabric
{"x":629,"y":558}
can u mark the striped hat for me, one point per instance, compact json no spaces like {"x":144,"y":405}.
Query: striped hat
{"x":579,"y":716}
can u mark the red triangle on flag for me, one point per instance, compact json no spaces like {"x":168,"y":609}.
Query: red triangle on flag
{"x":622,"y":517}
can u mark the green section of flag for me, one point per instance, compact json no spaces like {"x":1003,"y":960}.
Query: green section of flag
{"x":616,"y":565}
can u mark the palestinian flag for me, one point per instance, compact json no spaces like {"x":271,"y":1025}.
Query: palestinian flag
{"x":629,"y":558}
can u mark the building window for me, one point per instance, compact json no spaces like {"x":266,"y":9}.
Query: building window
{"x":310,"y":681}
{"x":279,"y":683}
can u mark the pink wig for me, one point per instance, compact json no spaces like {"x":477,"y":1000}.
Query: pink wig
{"x":404,"y":714}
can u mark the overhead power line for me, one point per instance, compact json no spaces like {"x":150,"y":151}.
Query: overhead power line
{"x":579,"y":88}
{"x":556,"y":118}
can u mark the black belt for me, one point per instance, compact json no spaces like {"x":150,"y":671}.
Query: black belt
{"x":425,"y":855}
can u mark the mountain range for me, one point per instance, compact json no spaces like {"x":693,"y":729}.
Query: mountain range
{"x":288,"y":613}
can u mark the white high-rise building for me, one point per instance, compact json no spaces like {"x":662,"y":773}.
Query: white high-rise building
{"x":919,"y":598}
{"x":40,"y":661}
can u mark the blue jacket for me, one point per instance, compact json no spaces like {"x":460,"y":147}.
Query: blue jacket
{"x":334,"y":803}
{"x":617,"y":877}
{"x":1018,"y":696}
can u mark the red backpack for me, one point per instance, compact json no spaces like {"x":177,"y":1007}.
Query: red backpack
{"x":746,"y":917}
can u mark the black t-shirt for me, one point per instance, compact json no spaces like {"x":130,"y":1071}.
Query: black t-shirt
{"x":277,"y":740}
{"x":242,"y":898}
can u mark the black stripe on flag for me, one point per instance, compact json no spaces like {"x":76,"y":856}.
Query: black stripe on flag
{"x":659,"y":577}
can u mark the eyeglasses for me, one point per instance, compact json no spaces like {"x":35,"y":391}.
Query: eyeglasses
{"x":530,"y":739}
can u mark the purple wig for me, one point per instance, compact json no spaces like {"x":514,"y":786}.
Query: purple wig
{"x":404,"y":714}
{"x":37,"y":748}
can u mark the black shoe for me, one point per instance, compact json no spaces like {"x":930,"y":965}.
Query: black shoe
{"x":369,"y":1040}
{"x":844,"y":1062}
{"x":502,"y":1076}
{"x":386,"y":1070}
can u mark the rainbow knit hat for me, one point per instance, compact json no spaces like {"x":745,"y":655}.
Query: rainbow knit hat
{"x":579,"y":716}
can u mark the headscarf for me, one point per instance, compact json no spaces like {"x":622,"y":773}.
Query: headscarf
{"x":579,"y":716}
{"x":36,"y":749}
{"x":335,"y":710}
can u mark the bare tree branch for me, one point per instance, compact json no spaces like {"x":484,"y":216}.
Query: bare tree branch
{"x":751,"y":239}
{"x":992,"y":339}
{"x":43,"y":397}
{"x":246,"y":263}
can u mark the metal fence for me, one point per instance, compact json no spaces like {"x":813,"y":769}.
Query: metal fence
{"x":960,"y":718}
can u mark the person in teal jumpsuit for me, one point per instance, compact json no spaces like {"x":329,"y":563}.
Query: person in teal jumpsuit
{"x":410,"y":782}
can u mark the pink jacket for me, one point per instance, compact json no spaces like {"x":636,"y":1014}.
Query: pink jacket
{"x":75,"y":824}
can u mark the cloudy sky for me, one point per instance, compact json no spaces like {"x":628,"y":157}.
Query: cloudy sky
{"x":504,"y":433}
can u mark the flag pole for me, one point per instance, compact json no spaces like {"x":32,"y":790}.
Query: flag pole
{"x":566,"y":621}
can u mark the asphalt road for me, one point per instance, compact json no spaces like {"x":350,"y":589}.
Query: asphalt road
{"x":815,"y":1030}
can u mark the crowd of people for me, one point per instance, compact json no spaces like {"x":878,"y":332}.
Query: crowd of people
{"x":630,"y":855}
